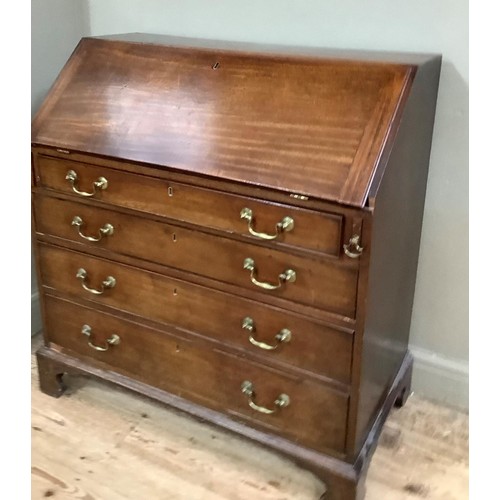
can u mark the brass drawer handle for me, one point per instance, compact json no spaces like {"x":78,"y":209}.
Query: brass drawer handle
{"x":109,"y":282}
{"x":281,"y":401}
{"x":106,"y":230}
{"x":283,"y":336}
{"x":352,"y":249}
{"x":99,"y":185}
{"x":288,"y":275}
{"x":113,"y":340}
{"x":286,"y":225}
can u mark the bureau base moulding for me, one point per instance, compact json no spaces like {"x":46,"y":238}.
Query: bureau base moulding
{"x":343,"y":481}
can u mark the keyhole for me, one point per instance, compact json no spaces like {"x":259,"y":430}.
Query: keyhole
{"x":175,"y":291}
{"x":170,"y":191}
{"x":215,"y":65}
{"x":177,"y":348}
{"x":174,"y":238}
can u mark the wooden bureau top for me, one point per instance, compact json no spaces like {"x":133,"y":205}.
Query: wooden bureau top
{"x":314,"y":126}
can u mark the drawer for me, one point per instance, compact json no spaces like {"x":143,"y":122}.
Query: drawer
{"x":315,"y":415}
{"x":311,"y":230}
{"x":239,"y":322}
{"x":326,"y":284}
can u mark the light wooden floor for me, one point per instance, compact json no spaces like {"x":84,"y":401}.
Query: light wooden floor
{"x":98,"y":442}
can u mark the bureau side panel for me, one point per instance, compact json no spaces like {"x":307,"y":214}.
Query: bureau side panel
{"x":397,"y":221}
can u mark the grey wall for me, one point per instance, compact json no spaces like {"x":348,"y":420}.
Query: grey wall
{"x":56,"y":28}
{"x":439,"y":334}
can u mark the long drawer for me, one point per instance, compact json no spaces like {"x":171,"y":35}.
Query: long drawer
{"x":277,"y":335}
{"x":310,"y":413}
{"x":207,"y":208}
{"x":326,"y":284}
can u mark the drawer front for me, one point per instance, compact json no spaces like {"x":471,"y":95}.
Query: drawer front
{"x":315,"y":415}
{"x":325,"y":284}
{"x":311,"y":230}
{"x":236,"y":321}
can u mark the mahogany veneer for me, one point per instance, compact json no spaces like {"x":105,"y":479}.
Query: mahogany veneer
{"x":234,"y":230}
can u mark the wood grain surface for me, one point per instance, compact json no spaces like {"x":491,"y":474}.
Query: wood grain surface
{"x":203,"y":207}
{"x":312,"y":126}
{"x":102,"y":443}
{"x":327,"y":284}
{"x":186,"y":367}
{"x":309,"y":137}
{"x":317,"y":348}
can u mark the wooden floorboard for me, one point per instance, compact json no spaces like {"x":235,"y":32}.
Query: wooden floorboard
{"x":99,"y":442}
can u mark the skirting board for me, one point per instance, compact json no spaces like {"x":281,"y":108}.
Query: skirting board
{"x":440,"y":378}
{"x":36,"y":320}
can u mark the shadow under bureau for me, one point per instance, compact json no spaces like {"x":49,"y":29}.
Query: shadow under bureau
{"x":234,"y":230}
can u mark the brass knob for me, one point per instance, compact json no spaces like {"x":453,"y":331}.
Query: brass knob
{"x":283,"y":336}
{"x":285,"y":225}
{"x":282,"y":401}
{"x":106,"y":230}
{"x":353,"y":249}
{"x":113,"y":340}
{"x":109,"y":282}
{"x":289,"y":275}
{"x":99,"y":185}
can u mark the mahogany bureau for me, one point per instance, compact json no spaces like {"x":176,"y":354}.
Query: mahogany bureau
{"x":234,"y":230}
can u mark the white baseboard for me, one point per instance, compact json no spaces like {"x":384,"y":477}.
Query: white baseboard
{"x":440,"y":378}
{"x":36,"y":319}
